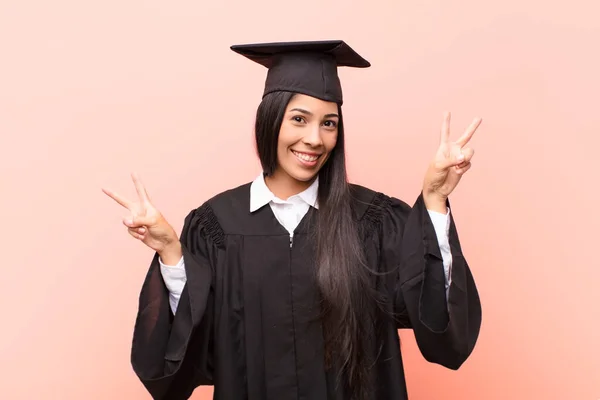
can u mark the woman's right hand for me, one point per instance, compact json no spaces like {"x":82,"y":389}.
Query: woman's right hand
{"x":146,"y":223}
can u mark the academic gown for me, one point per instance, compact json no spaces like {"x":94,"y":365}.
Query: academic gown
{"x":247,"y":320}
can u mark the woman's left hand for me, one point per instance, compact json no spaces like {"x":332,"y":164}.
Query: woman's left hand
{"x":450,"y":163}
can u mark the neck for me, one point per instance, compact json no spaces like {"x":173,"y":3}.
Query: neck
{"x":284,"y":186}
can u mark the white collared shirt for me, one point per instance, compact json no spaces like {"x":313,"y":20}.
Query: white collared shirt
{"x":289,"y":213}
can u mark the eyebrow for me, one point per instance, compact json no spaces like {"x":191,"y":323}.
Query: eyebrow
{"x":309,"y":113}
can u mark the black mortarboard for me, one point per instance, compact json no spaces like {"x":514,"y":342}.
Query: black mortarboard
{"x":304,"y":67}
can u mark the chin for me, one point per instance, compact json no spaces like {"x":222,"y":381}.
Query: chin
{"x":303,"y":176}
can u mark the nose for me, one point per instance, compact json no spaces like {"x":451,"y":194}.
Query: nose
{"x":313,"y":137}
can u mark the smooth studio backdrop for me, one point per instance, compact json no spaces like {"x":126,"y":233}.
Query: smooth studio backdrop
{"x":93,"y":90}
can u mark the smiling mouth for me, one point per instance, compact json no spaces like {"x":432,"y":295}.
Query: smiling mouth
{"x":306,"y":157}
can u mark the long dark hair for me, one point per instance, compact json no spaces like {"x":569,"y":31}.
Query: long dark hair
{"x":344,"y":284}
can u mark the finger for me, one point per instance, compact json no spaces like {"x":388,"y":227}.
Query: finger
{"x":137,"y":221}
{"x":468,"y":153}
{"x":443,"y":165}
{"x":139,"y":187}
{"x":136,"y":235}
{"x":121,"y":200}
{"x":464,"y":139}
{"x":463,"y":169}
{"x":451,"y":160}
{"x":457,"y":156}
{"x":445,"y":131}
{"x":140,"y":230}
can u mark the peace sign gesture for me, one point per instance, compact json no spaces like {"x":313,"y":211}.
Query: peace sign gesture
{"x":145,"y":222}
{"x":450,"y":163}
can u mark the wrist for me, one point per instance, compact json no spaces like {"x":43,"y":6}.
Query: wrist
{"x":171,"y":253}
{"x":435,"y":202}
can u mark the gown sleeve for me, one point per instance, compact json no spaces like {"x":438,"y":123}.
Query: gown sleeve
{"x":172,"y":354}
{"x":446,"y":325}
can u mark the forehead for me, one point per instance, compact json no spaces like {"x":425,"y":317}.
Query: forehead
{"x":312,"y":104}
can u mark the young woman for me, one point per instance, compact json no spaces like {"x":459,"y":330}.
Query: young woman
{"x":294,"y":286}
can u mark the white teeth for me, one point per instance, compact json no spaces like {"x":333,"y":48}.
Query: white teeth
{"x":305,"y":157}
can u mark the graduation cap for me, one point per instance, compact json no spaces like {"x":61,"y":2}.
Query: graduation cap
{"x":304,"y":67}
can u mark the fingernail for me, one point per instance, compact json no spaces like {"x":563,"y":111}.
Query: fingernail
{"x":128,"y":221}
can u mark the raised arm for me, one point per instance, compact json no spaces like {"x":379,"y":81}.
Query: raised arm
{"x":441,"y":305}
{"x":170,"y":353}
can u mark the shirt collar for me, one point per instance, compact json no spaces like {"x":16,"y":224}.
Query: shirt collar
{"x":260,"y":195}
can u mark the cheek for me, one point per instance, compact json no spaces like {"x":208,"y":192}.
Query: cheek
{"x":329,"y":141}
{"x":285,"y":140}
{"x":281,"y":152}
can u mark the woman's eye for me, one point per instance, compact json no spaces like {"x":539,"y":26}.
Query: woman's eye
{"x":330,"y":124}
{"x":298,"y":119}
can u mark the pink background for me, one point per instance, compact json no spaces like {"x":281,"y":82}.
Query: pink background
{"x":90,"y":91}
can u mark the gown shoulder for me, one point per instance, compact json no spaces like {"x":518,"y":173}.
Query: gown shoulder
{"x":374,"y":208}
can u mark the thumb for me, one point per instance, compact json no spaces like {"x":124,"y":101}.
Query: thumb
{"x":458,"y":157}
{"x":136,"y":221}
{"x":450,"y":161}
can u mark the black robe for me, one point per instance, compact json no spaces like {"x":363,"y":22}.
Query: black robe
{"x":245,"y":322}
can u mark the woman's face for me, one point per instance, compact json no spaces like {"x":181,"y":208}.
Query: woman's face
{"x":307,"y":136}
